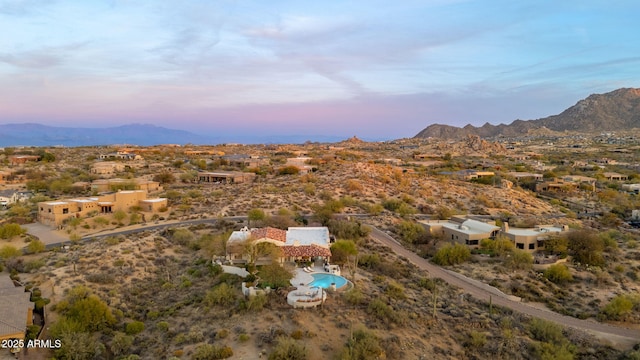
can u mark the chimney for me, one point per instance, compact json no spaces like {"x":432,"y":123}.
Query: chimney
{"x":505,"y":227}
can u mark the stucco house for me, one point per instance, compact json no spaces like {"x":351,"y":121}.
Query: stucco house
{"x":225,"y":177}
{"x":107,"y":168}
{"x":296,"y":243}
{"x":531,"y":239}
{"x":470,"y":232}
{"x":462,"y":230}
{"x":54,"y":213}
{"x":105,"y":185}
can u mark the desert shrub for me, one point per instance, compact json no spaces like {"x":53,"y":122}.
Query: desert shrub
{"x":354,"y":296}
{"x":519,"y":260}
{"x":182,"y":236}
{"x":546,"y":331}
{"x":34,"y":265}
{"x":10,"y":230}
{"x":395,"y":291}
{"x":222,"y":295}
{"x":289,"y":170}
{"x":451,"y":254}
{"x":362,"y":345}
{"x":35,"y":246}
{"x":121,"y":343}
{"x":9,"y":252}
{"x":392,"y":204}
{"x":255,"y":303}
{"x":347,"y":230}
{"x":558,"y":273}
{"x":212,"y":352}
{"x":476,"y":339}
{"x":289,"y":349}
{"x":134,"y":327}
{"x":620,"y":307}
{"x":101,"y":278}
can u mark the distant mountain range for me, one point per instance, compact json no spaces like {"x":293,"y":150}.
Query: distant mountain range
{"x":30,"y":134}
{"x":614,"y":111}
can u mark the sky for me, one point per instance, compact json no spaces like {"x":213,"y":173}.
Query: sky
{"x":374,"y":69}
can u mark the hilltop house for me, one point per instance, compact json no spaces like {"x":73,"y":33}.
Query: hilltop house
{"x":296,"y":243}
{"x":106,"y":185}
{"x":462,"y":230}
{"x":470,"y":232}
{"x":225,"y":177}
{"x":16,"y":310}
{"x":55,"y":213}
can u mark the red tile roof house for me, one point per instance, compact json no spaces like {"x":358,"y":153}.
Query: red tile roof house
{"x":296,"y":243}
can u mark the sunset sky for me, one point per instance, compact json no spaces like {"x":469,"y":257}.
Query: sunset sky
{"x":375,"y":69}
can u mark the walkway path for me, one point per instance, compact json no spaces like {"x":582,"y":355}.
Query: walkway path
{"x":481,"y":291}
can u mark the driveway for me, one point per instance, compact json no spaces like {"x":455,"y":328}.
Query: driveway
{"x":46,"y":234}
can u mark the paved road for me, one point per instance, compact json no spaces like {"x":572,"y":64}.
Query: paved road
{"x":486,"y":292}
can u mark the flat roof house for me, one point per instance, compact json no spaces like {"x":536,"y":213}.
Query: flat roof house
{"x":461,"y":230}
{"x":531,"y":239}
{"x":225,"y":177}
{"x":54,"y":213}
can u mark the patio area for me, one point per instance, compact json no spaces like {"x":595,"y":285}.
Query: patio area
{"x":302,"y":277}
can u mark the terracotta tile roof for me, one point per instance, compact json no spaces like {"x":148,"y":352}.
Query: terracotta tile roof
{"x":305,"y":250}
{"x":269,"y":233}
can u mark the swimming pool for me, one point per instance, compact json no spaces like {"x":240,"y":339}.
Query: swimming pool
{"x":325,"y":280}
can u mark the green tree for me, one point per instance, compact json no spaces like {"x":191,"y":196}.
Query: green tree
{"x":411,"y":231}
{"x":165,"y":177}
{"x":557,"y":245}
{"x":85,"y":308}
{"x":275,"y":275}
{"x":343,"y":250}
{"x":255,"y":215}
{"x":586,"y":247}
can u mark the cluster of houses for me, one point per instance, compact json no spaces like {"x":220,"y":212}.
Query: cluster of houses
{"x":54,"y":213}
{"x":471,"y":231}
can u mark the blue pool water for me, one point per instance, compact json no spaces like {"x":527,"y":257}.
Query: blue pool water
{"x":325,"y":280}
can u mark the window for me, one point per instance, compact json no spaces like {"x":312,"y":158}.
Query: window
{"x":532,"y":246}
{"x":65,"y":210}
{"x":520,"y":246}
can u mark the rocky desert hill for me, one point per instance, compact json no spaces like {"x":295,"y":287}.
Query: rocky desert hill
{"x":614,"y":111}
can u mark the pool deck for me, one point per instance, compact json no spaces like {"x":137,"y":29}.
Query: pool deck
{"x":305,"y":278}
